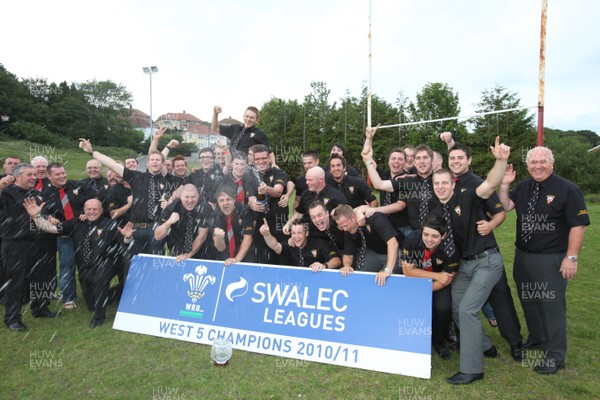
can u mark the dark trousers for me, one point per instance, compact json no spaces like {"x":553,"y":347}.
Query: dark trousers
{"x":19,"y":259}
{"x":542,"y":291}
{"x":441,"y":315}
{"x":144,"y":242}
{"x":41,"y":281}
{"x":95,"y":280}
{"x":504,"y":311}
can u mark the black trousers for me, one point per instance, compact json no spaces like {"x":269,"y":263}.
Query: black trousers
{"x":542,"y":291}
{"x":504,"y":311}
{"x":41,"y":282}
{"x":95,"y":280}
{"x":22,"y":261}
{"x":441,"y":315}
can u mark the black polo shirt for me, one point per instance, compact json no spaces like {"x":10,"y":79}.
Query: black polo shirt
{"x":200,"y":216}
{"x":105,"y":239}
{"x":242,"y":224}
{"x":337,"y":235}
{"x":414,"y":252}
{"x":15,"y":222}
{"x":251,"y":136}
{"x":74,"y":190}
{"x":315,"y":250}
{"x":469,"y":180}
{"x":140,"y":188}
{"x":412,"y":190}
{"x":95,"y":188}
{"x":356,"y":191}
{"x":116,"y":197}
{"x":560,"y":207}
{"x":174,"y":181}
{"x":249,"y":184}
{"x":42,"y":185}
{"x":329,"y":196}
{"x":378,"y":231}
{"x":206,"y":182}
{"x":399,"y":218}
{"x":466,"y":209}
{"x":276,"y":215}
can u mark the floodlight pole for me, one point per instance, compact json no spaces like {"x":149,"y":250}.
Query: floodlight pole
{"x":150,"y":71}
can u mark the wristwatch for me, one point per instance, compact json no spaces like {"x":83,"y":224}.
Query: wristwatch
{"x":572,"y":258}
{"x":388,"y":270}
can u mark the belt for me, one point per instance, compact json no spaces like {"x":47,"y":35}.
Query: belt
{"x":484,"y":253}
{"x":143,"y":225}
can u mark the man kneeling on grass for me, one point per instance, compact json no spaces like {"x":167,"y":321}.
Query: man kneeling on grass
{"x":96,"y":243}
{"x":423,"y":257}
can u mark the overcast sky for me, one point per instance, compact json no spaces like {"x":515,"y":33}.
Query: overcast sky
{"x":239,"y":53}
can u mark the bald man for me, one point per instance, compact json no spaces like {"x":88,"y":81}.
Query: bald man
{"x":97,"y":242}
{"x":317,"y":191}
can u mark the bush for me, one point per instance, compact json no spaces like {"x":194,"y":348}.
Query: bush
{"x":35,"y":133}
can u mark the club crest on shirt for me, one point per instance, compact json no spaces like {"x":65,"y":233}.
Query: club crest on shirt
{"x":76,"y":191}
{"x":463,"y":189}
{"x":239,"y":221}
{"x":313,"y":252}
{"x":368,"y":228}
{"x":271,"y":179}
{"x":550,"y":198}
{"x":105,"y":187}
{"x":252,"y":134}
{"x":325,"y":200}
{"x":351,"y":189}
{"x":457,"y":210}
{"x":438,"y":261}
{"x":161,"y":186}
{"x":99,"y":231}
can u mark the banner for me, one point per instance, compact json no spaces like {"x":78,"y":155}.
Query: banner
{"x":283,"y":311}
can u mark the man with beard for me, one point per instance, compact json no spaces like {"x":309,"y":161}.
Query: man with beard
{"x":304,"y":251}
{"x":232,"y":228}
{"x":356,"y":190}
{"x":97,"y":242}
{"x":184,"y":224}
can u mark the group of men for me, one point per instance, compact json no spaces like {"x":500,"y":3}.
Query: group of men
{"x":429,"y":222}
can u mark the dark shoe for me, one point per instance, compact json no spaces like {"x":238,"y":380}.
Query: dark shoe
{"x":94,"y":323}
{"x":492,"y":352}
{"x":17,"y":326}
{"x":443,"y":351}
{"x":544,"y":369}
{"x":463,"y":379}
{"x":517,"y":352}
{"x":530,"y":344}
{"x":44,"y":313}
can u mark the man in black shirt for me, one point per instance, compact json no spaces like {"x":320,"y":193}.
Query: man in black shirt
{"x":317,"y":191}
{"x":241,"y":136}
{"x":184,"y":224}
{"x":148,"y":189}
{"x":369,"y":248}
{"x":326,"y":227}
{"x":304,"y":251}
{"x":206,"y":178}
{"x":422,"y":257}
{"x":551,"y":221}
{"x":459,"y":161}
{"x":338,"y":148}
{"x":97,"y":242}
{"x":19,"y":251}
{"x":242,"y":179}
{"x":232,"y":228}
{"x":356,"y":190}
{"x":481,"y":264}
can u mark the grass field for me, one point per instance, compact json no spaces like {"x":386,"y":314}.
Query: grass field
{"x":63,"y":358}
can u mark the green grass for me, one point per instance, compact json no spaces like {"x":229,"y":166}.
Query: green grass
{"x":75,"y":362}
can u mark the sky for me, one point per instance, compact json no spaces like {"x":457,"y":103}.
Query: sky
{"x":237,"y":53}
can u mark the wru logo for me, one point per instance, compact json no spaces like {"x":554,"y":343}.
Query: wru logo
{"x":198,"y":282}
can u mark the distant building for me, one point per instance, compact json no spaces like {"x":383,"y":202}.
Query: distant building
{"x":191,"y":128}
{"x":140,"y":121}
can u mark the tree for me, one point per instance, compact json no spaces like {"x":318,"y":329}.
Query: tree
{"x":435,"y":101}
{"x":515,"y":128}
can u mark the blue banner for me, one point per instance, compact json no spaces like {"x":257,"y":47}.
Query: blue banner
{"x":285,"y":311}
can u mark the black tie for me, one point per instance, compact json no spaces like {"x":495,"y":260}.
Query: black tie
{"x":529,"y":223}
{"x":360,"y":261}
{"x":236,"y":141}
{"x":332,"y":241}
{"x":87,"y":245}
{"x":152,"y":199}
{"x":448,"y":242}
{"x":189,"y":233}
{"x":300,"y":258}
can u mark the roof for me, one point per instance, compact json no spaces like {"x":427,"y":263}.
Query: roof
{"x":180,"y":117}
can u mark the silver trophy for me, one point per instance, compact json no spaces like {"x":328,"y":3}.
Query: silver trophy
{"x":221,"y":352}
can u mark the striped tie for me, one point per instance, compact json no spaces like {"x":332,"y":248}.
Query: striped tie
{"x":529,"y":222}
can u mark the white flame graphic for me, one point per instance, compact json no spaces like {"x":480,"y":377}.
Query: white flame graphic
{"x":241,"y":285}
